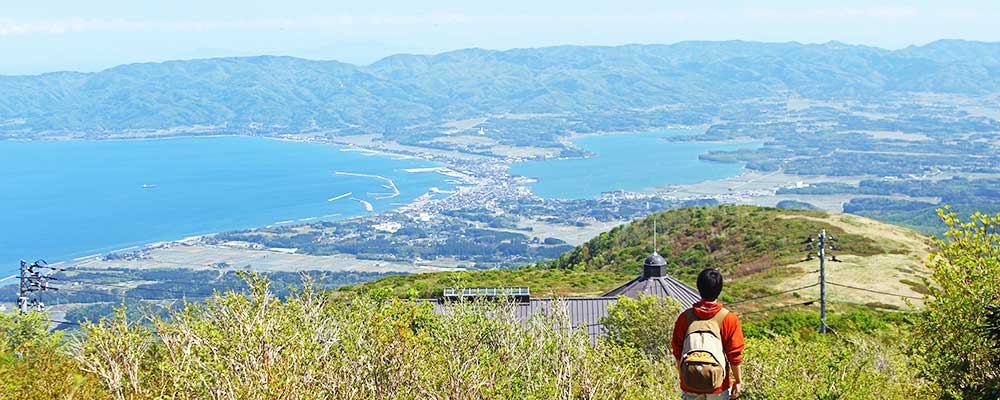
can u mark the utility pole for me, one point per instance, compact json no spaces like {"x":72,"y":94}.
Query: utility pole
{"x":22,"y":300}
{"x":821,"y":245}
{"x":822,"y":281}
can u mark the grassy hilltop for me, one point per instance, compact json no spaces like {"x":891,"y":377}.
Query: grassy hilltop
{"x":759,"y":249}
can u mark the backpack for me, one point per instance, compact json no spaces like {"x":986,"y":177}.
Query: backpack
{"x":703,"y":362}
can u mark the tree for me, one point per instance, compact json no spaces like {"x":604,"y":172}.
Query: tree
{"x":34,"y":366}
{"x":965,"y":280}
{"x":646,"y":324}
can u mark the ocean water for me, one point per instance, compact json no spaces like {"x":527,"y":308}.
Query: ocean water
{"x":634,"y":162}
{"x":62,"y":200}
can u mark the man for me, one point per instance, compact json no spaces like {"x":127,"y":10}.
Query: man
{"x":707,"y":366}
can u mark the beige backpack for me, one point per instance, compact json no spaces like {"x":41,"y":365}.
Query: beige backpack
{"x":703,"y":362}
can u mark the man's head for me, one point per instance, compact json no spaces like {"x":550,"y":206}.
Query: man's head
{"x":709,"y":284}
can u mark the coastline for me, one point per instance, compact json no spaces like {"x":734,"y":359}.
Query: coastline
{"x":444,"y":167}
{"x":367,"y":210}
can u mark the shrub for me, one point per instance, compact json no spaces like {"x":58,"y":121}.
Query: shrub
{"x":33,"y":365}
{"x":965,"y":279}
{"x":825,"y":367}
{"x":646,"y":324}
{"x":372,"y":347}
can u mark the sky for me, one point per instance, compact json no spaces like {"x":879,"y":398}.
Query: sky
{"x":90,"y":35}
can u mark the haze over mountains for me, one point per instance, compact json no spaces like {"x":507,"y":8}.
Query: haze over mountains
{"x":288,"y":95}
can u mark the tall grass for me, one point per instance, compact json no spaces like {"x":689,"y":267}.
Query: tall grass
{"x":311,"y":346}
{"x":851,"y":367}
{"x":314,"y":346}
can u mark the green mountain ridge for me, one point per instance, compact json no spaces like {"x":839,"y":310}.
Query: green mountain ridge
{"x":579,"y":87}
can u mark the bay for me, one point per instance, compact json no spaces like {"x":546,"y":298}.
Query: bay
{"x":61,"y":200}
{"x":636,"y":162}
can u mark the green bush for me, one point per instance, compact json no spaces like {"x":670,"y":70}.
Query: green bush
{"x":805,"y":325}
{"x":965,"y":280}
{"x":830,"y":367}
{"x":645,"y":324}
{"x":33,"y":364}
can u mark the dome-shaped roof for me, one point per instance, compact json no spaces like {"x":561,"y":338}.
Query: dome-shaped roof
{"x":654,"y":260}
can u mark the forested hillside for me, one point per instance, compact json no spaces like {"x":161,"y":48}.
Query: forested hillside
{"x":570,"y":88}
{"x":739,"y":240}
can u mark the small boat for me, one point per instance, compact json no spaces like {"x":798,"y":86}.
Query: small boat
{"x":147,"y":186}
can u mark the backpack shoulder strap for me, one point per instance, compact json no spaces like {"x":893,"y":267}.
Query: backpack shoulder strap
{"x":690,"y":315}
{"x":713,"y":324}
{"x":719,"y":317}
{"x":716,"y":321}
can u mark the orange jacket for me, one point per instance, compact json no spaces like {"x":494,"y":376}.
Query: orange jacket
{"x":732,"y":337}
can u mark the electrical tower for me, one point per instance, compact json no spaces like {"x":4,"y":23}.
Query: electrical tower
{"x":33,"y":283}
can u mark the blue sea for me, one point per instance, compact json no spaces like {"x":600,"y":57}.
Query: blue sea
{"x":62,"y":200}
{"x":633,"y":162}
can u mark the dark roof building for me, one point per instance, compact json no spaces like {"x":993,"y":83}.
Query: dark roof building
{"x":586,"y":313}
{"x":655,"y":281}
{"x":583,"y":313}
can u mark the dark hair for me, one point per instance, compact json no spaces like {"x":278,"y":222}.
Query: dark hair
{"x":709,"y":284}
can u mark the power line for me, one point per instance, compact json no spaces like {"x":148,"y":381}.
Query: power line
{"x":120,"y":286}
{"x":156,"y":280}
{"x":119,"y":274}
{"x":46,"y":266}
{"x":773,"y":294}
{"x":179,"y":264}
{"x":234,"y":285}
{"x":112,"y":271}
{"x":876,"y":291}
{"x":61,"y":298}
{"x":875,"y":307}
{"x":805,"y":303}
{"x":106,"y":294}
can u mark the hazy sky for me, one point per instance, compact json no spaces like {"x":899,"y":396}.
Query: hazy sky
{"x":48,"y":35}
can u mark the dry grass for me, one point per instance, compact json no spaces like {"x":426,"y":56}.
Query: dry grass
{"x":892,"y":272}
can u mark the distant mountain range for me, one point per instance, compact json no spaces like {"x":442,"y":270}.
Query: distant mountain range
{"x":269,"y":94}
